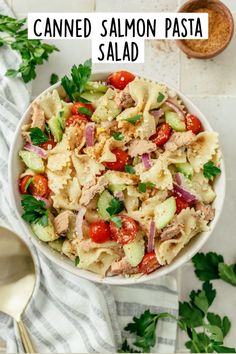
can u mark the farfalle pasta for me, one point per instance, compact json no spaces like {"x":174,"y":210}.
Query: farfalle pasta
{"x":118,"y":176}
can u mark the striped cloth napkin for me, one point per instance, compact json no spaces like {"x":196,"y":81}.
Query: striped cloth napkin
{"x":69,"y":314}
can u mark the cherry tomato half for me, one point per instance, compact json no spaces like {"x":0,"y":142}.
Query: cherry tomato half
{"x":39,"y":186}
{"x":162,"y":135}
{"x":126,"y":233}
{"x":193,"y":123}
{"x":50,"y":144}
{"x":149,"y":263}
{"x":122,"y":158}
{"x":77,"y":118}
{"x":23,"y":184}
{"x":180,"y":204}
{"x":77,"y":105}
{"x":99,"y":231}
{"x":120,"y":79}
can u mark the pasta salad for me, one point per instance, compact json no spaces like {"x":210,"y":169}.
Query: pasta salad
{"x":118,"y":175}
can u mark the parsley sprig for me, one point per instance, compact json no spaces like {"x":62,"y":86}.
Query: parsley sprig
{"x":212,"y":266}
{"x":75,"y":85}
{"x":206,"y":330}
{"x":35,"y":211}
{"x":33,"y":52}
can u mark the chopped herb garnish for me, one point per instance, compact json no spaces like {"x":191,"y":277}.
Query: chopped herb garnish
{"x":28,"y":183}
{"x":54,"y":79}
{"x":115,"y":206}
{"x":79,"y":77}
{"x":142,"y":187}
{"x":210,"y":170}
{"x":35,"y":211}
{"x":160,"y":97}
{"x":117,"y":221}
{"x":134,"y":119}
{"x":77,"y":260}
{"x":130,"y":169}
{"x":83,"y":100}
{"x":33,"y":52}
{"x":37,"y":136}
{"x":85,"y":110}
{"x":118,"y":136}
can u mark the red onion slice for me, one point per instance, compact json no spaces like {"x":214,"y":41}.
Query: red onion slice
{"x":178,"y":179}
{"x":158,"y":113}
{"x":151,"y":236}
{"x":147,"y":162}
{"x":175,"y":108}
{"x":183,"y":193}
{"x":36,"y":150}
{"x":89,"y":134}
{"x":48,"y":202}
{"x":79,"y":222}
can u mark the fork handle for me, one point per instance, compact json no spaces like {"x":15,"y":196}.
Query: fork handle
{"x":25,"y":337}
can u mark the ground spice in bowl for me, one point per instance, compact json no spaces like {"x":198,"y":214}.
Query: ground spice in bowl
{"x":220,"y":29}
{"x":218,"y":32}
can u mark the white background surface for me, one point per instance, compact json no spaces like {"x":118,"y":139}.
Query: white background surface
{"x":211,"y":84}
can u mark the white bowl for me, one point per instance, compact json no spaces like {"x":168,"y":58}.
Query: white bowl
{"x":16,"y":168}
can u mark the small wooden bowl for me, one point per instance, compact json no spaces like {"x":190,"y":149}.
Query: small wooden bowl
{"x":216,"y":5}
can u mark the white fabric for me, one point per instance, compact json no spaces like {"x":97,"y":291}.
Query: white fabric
{"x":66,"y":313}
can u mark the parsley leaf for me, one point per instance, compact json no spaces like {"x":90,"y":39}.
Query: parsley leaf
{"x":115,"y":206}
{"x":35,"y":211}
{"x":160,"y":97}
{"x":215,"y":333}
{"x":134,"y":119}
{"x":117,"y":221}
{"x":125,"y":348}
{"x":85,"y":110}
{"x":79,"y":76}
{"x":118,"y":136}
{"x":130,"y":169}
{"x":77,"y":260}
{"x":206,"y":265}
{"x":83,"y":100}
{"x":28,"y":183}
{"x":215,"y":320}
{"x":37,"y":136}
{"x":54,"y":79}
{"x":228,"y":273}
{"x":142,"y":187}
{"x":209,"y":291}
{"x":33,"y":52}
{"x":191,"y":315}
{"x":210,"y":170}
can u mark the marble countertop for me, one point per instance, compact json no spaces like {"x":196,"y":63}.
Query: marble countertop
{"x":211,"y":84}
